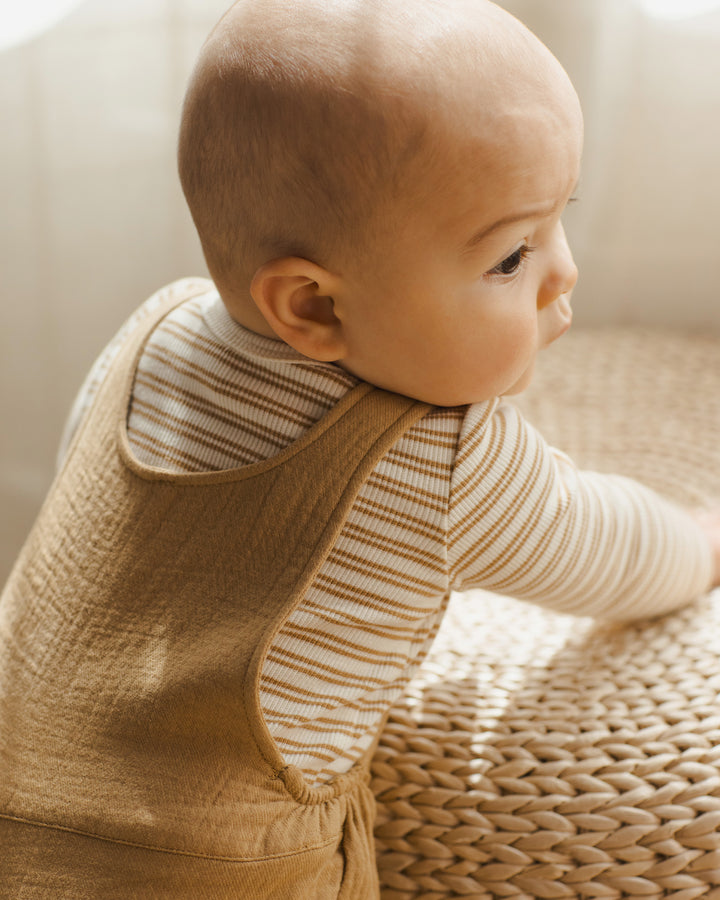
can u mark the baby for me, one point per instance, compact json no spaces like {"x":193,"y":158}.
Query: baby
{"x":249,"y":548}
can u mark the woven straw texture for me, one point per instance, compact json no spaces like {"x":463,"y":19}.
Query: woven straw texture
{"x":537,"y":755}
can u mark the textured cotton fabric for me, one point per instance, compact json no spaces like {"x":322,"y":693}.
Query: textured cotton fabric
{"x":468,"y":497}
{"x":134,"y":755}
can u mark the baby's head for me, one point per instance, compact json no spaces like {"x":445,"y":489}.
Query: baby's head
{"x":380,"y":183}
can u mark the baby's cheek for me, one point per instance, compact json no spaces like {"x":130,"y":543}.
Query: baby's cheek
{"x":524,"y":333}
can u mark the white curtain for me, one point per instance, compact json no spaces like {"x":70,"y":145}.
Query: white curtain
{"x":92,"y":219}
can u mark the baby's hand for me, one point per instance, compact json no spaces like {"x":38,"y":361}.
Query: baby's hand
{"x":709,"y":521}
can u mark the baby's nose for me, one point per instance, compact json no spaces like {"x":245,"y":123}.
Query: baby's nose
{"x":567,"y":278}
{"x":562,"y":274}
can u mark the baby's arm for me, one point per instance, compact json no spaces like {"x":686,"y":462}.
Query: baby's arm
{"x":96,"y":376}
{"x":709,"y":522}
{"x":524,"y":521}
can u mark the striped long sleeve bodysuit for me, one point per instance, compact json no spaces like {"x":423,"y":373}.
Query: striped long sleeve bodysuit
{"x":469,"y":497}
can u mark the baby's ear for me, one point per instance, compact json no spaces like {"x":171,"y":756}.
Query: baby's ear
{"x":295,"y":296}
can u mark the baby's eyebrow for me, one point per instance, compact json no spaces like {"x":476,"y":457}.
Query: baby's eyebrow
{"x":538,"y":213}
{"x":482,"y":233}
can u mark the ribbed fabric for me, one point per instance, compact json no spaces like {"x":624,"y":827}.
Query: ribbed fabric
{"x":469,"y":497}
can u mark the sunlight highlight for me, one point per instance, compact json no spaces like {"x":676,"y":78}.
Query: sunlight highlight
{"x":678,"y":9}
{"x":20,"y":22}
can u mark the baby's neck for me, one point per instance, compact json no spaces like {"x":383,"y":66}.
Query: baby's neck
{"x":245,"y":313}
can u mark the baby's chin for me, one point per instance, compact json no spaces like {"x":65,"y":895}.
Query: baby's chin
{"x":522,"y":383}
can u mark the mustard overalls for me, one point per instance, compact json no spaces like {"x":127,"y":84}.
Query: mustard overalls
{"x":134,"y":759}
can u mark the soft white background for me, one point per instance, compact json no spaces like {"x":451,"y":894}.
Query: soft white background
{"x":92,"y":218}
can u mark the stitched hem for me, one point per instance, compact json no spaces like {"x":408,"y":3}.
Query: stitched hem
{"x":140,"y":846}
{"x":342,"y":786}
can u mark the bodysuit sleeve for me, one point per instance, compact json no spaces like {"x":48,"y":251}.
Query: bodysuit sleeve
{"x":525,"y":521}
{"x":97,"y":373}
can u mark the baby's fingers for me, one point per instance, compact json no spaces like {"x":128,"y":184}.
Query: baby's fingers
{"x":709,"y":521}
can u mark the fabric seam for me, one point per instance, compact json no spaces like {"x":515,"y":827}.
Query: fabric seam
{"x":174,"y":852}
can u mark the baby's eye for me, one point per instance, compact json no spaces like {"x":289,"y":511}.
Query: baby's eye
{"x":513,"y":263}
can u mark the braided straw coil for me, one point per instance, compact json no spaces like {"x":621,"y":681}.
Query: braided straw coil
{"x":537,"y":755}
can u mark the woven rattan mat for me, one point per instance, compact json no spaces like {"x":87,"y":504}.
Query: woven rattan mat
{"x":536,"y":755}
